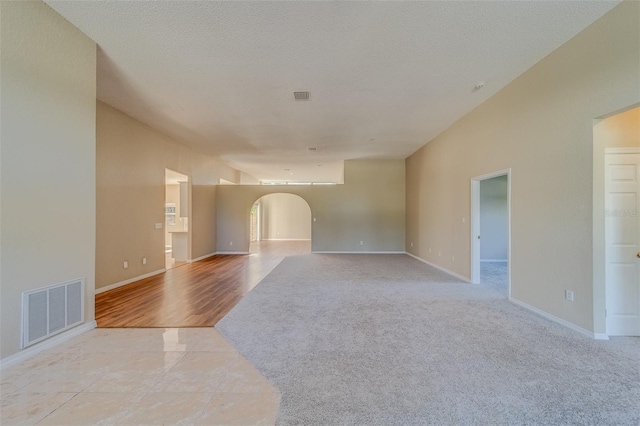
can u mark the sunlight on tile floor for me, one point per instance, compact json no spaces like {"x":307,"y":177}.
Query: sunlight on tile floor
{"x":138,"y":376}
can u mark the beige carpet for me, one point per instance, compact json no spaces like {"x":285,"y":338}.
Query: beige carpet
{"x":385,"y":339}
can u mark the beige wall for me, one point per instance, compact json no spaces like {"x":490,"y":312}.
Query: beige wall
{"x":540,"y":126}
{"x":284,"y":217}
{"x":620,"y":130}
{"x":47,"y":172}
{"x":202,"y":223}
{"x":368,"y":207}
{"x":130,"y":168}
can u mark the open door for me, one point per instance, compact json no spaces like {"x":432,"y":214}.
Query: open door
{"x":491,"y":210}
{"x":622,"y":241}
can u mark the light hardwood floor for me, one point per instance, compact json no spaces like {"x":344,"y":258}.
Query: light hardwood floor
{"x":193,"y":295}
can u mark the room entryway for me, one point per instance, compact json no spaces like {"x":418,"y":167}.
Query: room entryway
{"x":622,"y":236}
{"x":176,"y":210}
{"x":280,"y":225}
{"x":490,"y":224}
{"x":616,"y":223}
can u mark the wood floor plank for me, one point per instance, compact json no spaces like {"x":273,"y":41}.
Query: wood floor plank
{"x":193,"y":295}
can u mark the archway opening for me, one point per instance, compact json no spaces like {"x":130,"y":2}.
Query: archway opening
{"x":280,"y":225}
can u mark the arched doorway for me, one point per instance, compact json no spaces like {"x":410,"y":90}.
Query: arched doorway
{"x":280,"y":224}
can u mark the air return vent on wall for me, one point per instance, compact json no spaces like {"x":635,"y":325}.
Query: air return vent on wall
{"x":51,"y":310}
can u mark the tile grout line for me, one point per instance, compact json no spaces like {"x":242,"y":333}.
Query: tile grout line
{"x":162,"y":376}
{"x":59,"y":407}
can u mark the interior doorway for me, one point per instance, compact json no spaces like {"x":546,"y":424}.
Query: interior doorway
{"x":622,"y":241}
{"x":177,"y":241}
{"x":254,"y":225}
{"x":280,"y":225}
{"x":616,"y":224}
{"x":491,"y":230}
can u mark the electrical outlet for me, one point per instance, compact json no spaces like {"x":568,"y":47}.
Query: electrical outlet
{"x":453,"y":258}
{"x":125,"y":264}
{"x":361,"y":243}
{"x":411,"y":244}
{"x":568,"y":294}
{"x":464,"y":220}
{"x":230,"y":243}
{"x":144,"y":260}
{"x":158,"y":225}
{"x":439,"y":254}
{"x":429,"y":249}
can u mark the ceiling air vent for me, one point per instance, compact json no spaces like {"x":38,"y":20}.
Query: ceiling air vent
{"x":301,"y":96}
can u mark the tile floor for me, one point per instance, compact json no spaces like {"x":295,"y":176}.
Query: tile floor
{"x":138,"y":376}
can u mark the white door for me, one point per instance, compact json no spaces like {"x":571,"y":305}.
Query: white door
{"x":622,"y":227}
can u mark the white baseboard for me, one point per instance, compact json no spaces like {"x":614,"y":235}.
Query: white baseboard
{"x":202,"y":257}
{"x":460,"y":277}
{"x":46,"y":344}
{"x":284,"y":239}
{"x":601,"y":336}
{"x":356,"y":252}
{"x":494,"y":260}
{"x":232,"y":252}
{"x":129,"y":281}
{"x":554,"y":318}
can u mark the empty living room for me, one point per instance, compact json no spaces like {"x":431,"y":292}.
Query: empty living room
{"x":320,"y":213}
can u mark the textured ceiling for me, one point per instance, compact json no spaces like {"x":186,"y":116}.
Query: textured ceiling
{"x":384,"y":77}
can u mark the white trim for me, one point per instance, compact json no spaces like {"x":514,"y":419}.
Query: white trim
{"x":492,"y":175}
{"x":622,"y":151}
{"x":554,"y":318}
{"x":474,"y":229}
{"x":202,"y":257}
{"x":233,"y":252}
{"x":600,"y":336}
{"x":465,"y":279}
{"x":46,"y":344}
{"x":494,"y":260}
{"x":357,"y":252}
{"x":286,"y":239}
{"x":129,"y":281}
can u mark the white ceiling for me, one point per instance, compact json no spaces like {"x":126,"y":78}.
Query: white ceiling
{"x":385,"y":77}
